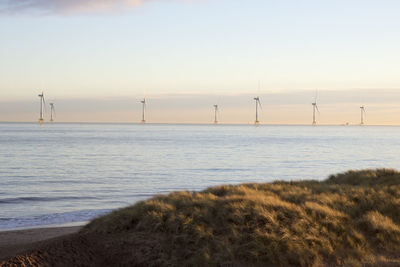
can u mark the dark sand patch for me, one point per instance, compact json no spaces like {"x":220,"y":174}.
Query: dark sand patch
{"x":16,"y":241}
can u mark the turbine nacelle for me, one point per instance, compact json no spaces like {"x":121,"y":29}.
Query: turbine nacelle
{"x":316,"y":107}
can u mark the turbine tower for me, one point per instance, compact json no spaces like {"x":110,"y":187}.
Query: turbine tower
{"x":42,"y":105}
{"x":362,"y":109}
{"x":215,"y":114}
{"x":143,"y":109}
{"x":315,"y":108}
{"x":52,"y":110}
{"x":258,"y":103}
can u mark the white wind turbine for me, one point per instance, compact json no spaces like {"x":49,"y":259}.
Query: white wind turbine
{"x":362,"y":109}
{"x":315,"y":108}
{"x":143,"y":109}
{"x":215,"y":114}
{"x":42,"y":107}
{"x":258,"y":104}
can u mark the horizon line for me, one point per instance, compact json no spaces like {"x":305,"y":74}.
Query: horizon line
{"x":202,"y":123}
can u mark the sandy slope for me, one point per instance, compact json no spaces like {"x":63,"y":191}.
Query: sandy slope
{"x":14,"y":242}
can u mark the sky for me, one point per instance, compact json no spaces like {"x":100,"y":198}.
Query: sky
{"x":97,"y":59}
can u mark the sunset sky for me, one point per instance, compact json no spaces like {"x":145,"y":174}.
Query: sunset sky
{"x":97,"y":59}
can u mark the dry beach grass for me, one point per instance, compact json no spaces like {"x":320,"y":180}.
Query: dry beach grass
{"x":350,"y":219}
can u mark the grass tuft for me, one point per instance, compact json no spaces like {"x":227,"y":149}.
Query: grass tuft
{"x":351,"y":219}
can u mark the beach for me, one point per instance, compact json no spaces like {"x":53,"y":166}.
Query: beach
{"x":17,"y":241}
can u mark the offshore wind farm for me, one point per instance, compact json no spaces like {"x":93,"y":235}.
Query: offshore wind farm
{"x":258,"y":110}
{"x":191,"y":133}
{"x":278,"y":108}
{"x":223,"y":62}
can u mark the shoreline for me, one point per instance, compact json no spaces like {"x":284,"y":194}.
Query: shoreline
{"x":44,"y":226}
{"x":13,"y":242}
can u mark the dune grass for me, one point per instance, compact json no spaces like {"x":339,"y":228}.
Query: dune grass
{"x":349,"y":219}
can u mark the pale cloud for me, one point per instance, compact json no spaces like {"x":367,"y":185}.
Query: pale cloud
{"x":69,"y":6}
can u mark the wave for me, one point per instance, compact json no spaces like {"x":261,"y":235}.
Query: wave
{"x":19,"y":200}
{"x":51,"y":219}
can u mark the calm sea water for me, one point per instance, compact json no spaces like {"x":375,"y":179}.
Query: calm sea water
{"x":66,"y":173}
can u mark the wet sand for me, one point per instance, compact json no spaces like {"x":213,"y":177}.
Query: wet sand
{"x":17,"y":241}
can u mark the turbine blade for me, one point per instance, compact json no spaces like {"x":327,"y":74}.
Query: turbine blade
{"x":259,"y":103}
{"x":317,"y":109}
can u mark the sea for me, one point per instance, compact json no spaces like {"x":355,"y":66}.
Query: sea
{"x":69,"y":173}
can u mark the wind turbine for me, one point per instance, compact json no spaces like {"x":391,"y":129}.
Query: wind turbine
{"x":143,"y":109}
{"x":362,"y":109}
{"x":215,"y":114}
{"x":315,"y":108}
{"x":52,"y":110}
{"x":258,"y":103}
{"x":42,"y":105}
